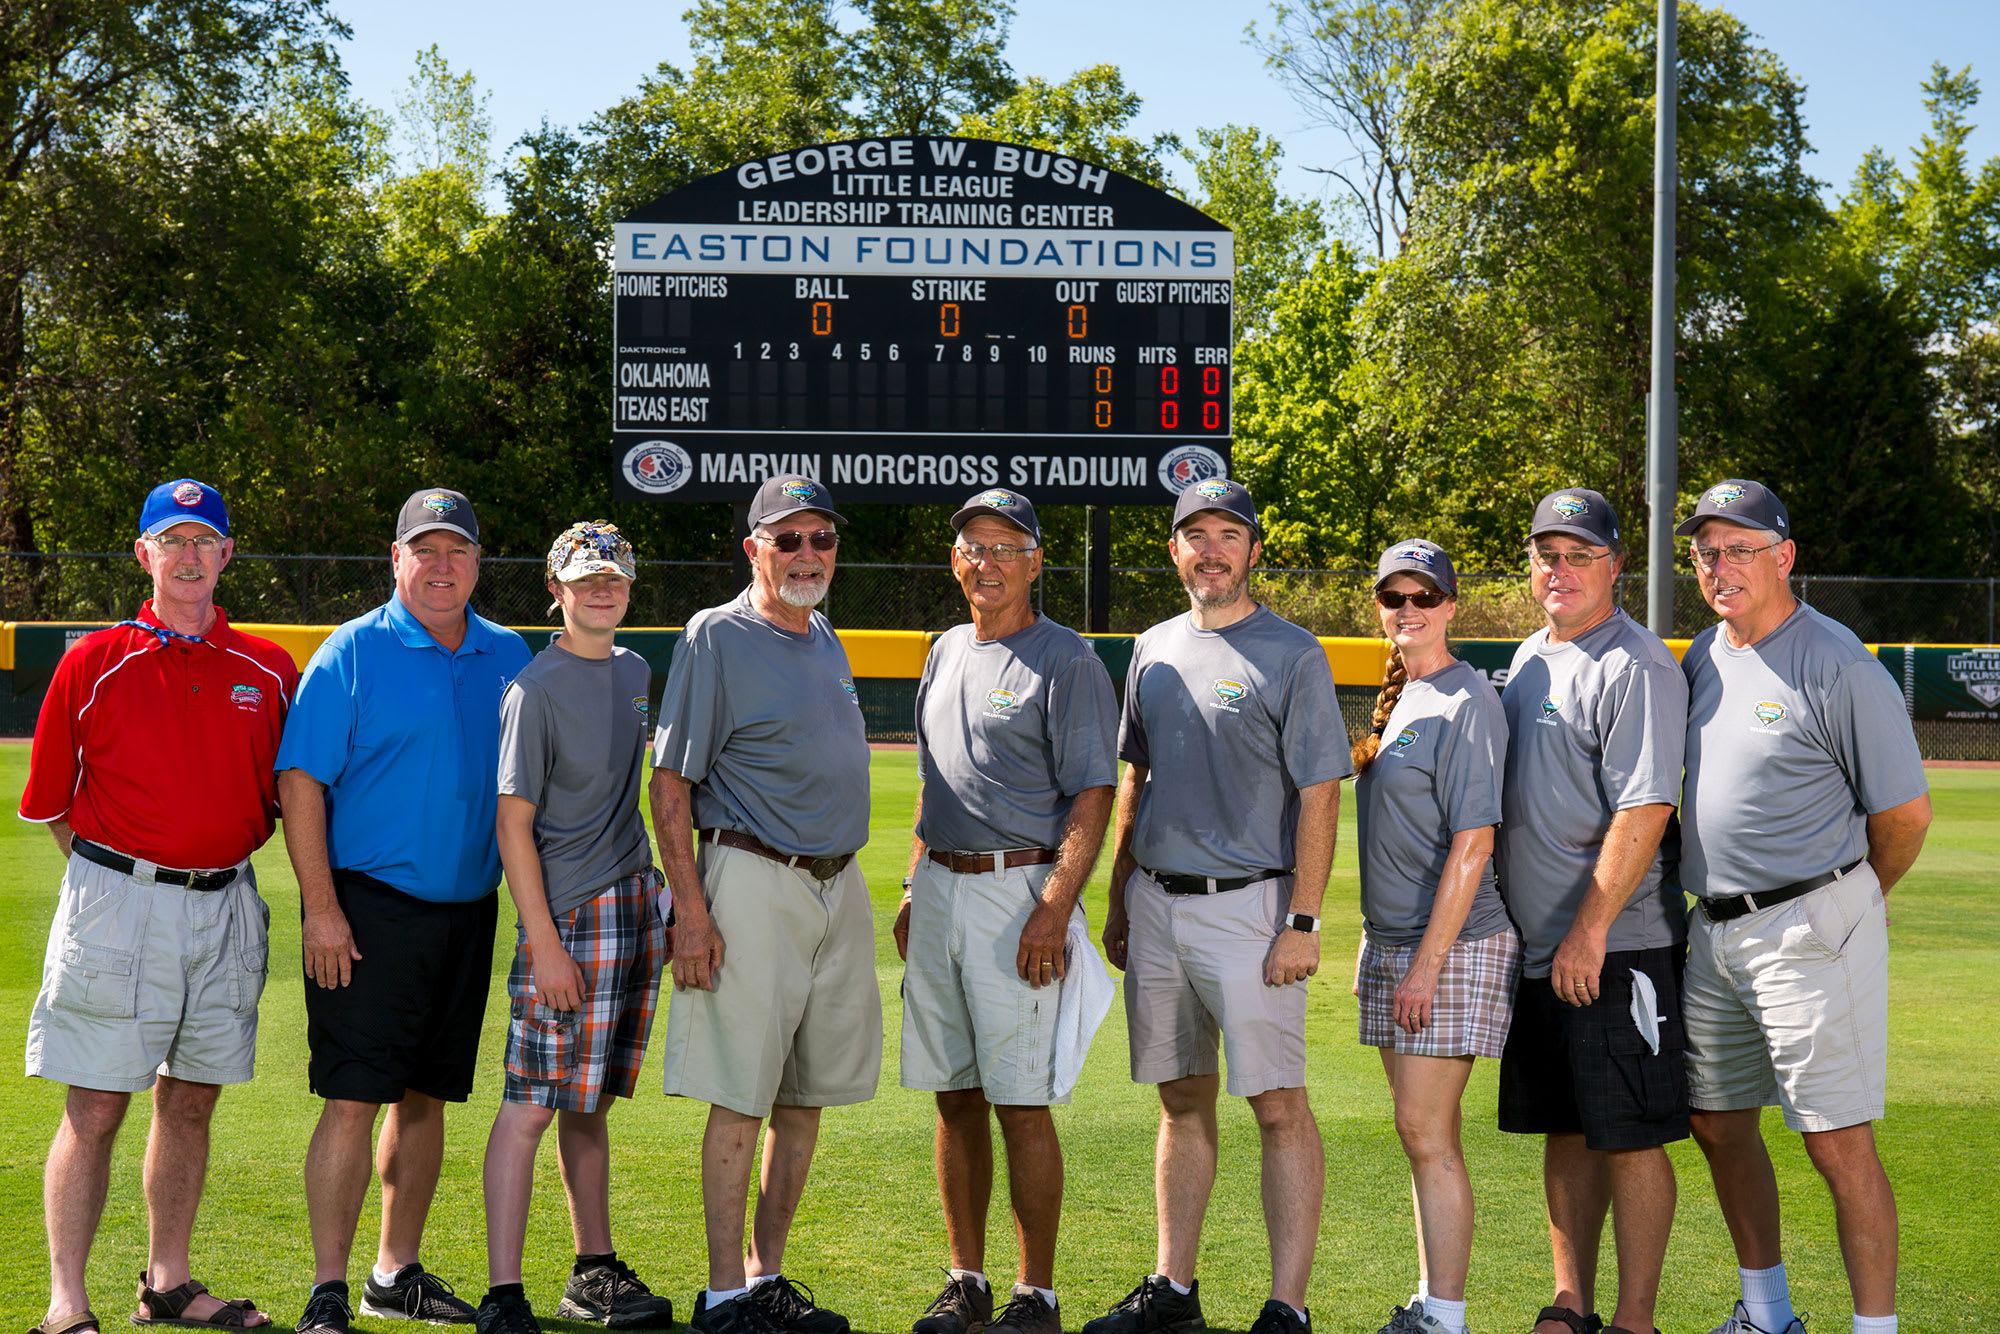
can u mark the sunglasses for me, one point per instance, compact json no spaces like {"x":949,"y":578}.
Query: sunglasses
{"x":1394,"y":601}
{"x":823,"y":540}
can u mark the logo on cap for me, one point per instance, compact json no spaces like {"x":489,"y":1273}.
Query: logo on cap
{"x":1212,"y":490}
{"x":188,"y":493}
{"x":1405,"y":737}
{"x":1002,"y":699}
{"x":1726,"y":494}
{"x":1769,"y":711}
{"x":801,"y":490}
{"x":658,"y":466}
{"x":997,"y":499}
{"x":1570,"y":506}
{"x":1230,"y":691}
{"x":439,"y":503}
{"x":1420,"y":555}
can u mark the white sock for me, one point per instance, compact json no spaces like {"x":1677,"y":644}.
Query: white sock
{"x":1449,"y":1314}
{"x":973,"y":1274}
{"x":755,"y":1279}
{"x":716,"y":1299}
{"x":1767,"y":1298}
{"x":1874,"y":1324}
{"x":383,"y":1280}
{"x":1048,"y":1295}
{"x":1422,"y":1294}
{"x":1175,"y":1286}
{"x":1304,"y":1319}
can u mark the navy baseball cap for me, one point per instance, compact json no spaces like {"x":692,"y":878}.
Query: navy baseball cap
{"x":1744,"y":503}
{"x":782,"y":497}
{"x":183,"y":500}
{"x":437,"y":507}
{"x":1577,"y":512}
{"x":1223,"y":496}
{"x":1000,"y":503}
{"x":1426,"y":560}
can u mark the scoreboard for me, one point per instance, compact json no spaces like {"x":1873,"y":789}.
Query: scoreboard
{"x":912,"y":319}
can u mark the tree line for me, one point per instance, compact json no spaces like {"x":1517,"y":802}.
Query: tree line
{"x":215,"y":260}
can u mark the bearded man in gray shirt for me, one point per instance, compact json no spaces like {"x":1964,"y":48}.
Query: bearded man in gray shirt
{"x":1596,"y":711}
{"x":776,"y":1012}
{"x":1805,"y":803}
{"x":1017,"y":734}
{"x":1226,"y":816}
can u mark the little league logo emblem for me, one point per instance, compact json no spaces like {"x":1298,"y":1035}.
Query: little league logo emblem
{"x":1571,"y":506}
{"x":1551,"y":705}
{"x":1002,"y":700}
{"x":1189,"y":466}
{"x":1212,"y":490}
{"x":999,"y":500}
{"x":1979,"y":672}
{"x":657,"y":467}
{"x":1724,"y":495}
{"x":247,"y":698}
{"x":188,"y":494}
{"x":848,"y":686}
{"x":639,"y":705}
{"x":800,"y":490}
{"x":438,"y":503}
{"x":1421,"y":555}
{"x":1769,"y":711}
{"x":1229,"y":691}
{"x":1405,"y":737}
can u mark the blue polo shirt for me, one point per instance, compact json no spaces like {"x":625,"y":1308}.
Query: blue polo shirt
{"x":406,"y":738}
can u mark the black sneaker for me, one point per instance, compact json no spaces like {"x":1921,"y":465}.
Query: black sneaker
{"x":416,"y":1295}
{"x":791,"y":1308}
{"x":964,"y":1307}
{"x":1027,"y":1313}
{"x":1278,"y":1318}
{"x":506,"y":1315}
{"x":738,"y":1315}
{"x":1152,"y":1308}
{"x":325,"y":1313}
{"x":609,"y":1291}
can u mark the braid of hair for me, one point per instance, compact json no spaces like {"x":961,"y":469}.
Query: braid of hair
{"x":1394,"y":677}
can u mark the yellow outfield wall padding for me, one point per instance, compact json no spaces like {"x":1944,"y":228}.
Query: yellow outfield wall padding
{"x":886,"y":653}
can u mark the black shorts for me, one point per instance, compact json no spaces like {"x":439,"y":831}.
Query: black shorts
{"x":1586,"y":1070}
{"x":411,"y":1016}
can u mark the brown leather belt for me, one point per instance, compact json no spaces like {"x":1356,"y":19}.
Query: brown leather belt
{"x":819,"y":868}
{"x":973,"y":863}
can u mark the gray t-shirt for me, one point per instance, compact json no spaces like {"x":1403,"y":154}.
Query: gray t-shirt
{"x":766,"y":725}
{"x":1230,"y":723}
{"x":1008,"y":732}
{"x":1437,"y":774}
{"x":1597,"y":726}
{"x":573,"y":742}
{"x":1792,"y":744}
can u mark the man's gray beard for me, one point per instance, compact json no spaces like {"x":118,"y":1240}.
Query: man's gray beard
{"x":802,"y":595}
{"x":1219,"y":598}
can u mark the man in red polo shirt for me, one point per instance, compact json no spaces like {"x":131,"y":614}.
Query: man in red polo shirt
{"x":152,"y":767}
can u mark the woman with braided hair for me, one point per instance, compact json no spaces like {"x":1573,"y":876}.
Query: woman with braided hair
{"x":1439,"y":957}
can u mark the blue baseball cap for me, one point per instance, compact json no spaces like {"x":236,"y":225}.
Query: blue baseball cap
{"x":1425,"y":560}
{"x":1577,"y":512}
{"x":1740,"y":501}
{"x":183,"y":500}
{"x":1221,"y":495}
{"x":999,"y":503}
{"x":782,"y":497}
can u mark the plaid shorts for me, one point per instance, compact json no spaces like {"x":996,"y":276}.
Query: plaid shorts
{"x":1471,"y":1011}
{"x":568,"y":1059}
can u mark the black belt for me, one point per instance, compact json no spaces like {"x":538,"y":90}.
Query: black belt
{"x":819,"y":868}
{"x":1736,"y":905}
{"x":1198,"y":884}
{"x":166,"y":875}
{"x":975,"y":863}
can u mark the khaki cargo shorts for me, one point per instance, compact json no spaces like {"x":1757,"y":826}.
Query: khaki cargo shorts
{"x":795,"y":1016}
{"x":147,"y":979}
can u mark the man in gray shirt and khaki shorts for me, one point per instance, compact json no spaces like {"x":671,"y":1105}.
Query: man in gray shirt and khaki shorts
{"x":1597,"y":713}
{"x":1226,"y":818}
{"x":1017,"y":735}
{"x":1805,"y":803}
{"x":776,"y":1012}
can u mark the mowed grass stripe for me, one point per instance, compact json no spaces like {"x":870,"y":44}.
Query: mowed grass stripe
{"x":869,"y":1238}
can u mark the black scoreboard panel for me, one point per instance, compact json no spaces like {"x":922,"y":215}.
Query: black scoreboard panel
{"x":1082,"y":364}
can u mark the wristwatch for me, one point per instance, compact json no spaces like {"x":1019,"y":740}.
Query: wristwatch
{"x":1305,"y":922}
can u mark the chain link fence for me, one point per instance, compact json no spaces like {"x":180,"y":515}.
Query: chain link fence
{"x":325,"y":590}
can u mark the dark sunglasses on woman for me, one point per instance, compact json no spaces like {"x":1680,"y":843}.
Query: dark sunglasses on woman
{"x":1394,"y":601}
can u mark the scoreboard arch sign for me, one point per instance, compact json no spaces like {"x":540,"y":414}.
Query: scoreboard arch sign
{"x":911,"y":319}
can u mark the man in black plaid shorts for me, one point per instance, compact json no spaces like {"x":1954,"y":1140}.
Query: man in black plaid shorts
{"x":590,"y":943}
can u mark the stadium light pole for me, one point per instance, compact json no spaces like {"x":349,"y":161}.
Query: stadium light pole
{"x":1663,"y":405}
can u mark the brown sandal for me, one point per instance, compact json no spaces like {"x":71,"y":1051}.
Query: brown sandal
{"x":71,"y":1324}
{"x":166,"y":1308}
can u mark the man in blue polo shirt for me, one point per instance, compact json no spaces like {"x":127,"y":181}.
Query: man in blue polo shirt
{"x":387,"y":777}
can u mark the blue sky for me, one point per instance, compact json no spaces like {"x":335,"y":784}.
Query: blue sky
{"x":1861,"y":62}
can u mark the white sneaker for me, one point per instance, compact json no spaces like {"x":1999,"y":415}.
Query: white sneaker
{"x":1739,"y":1323}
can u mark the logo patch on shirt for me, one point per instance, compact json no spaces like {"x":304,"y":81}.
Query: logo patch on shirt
{"x":248,"y":698}
{"x":1551,"y":711}
{"x":1228,"y":692}
{"x":848,"y":686}
{"x":439,"y":503}
{"x":187,"y":494}
{"x":1769,"y":711}
{"x":1724,"y":495}
{"x":1002,"y":700}
{"x":1405,"y":737}
{"x":1570,"y":506}
{"x":640,"y":704}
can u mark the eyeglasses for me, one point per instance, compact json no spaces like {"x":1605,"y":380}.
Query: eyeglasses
{"x":1735,"y":555}
{"x":1549,"y":558}
{"x":1005,"y":553}
{"x":173,"y":544}
{"x":823,"y":540}
{"x":1394,"y":601}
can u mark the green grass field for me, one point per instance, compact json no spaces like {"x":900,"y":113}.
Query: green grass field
{"x":869,"y":1238}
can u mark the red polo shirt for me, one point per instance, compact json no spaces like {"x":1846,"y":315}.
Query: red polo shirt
{"x":163,"y":750}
